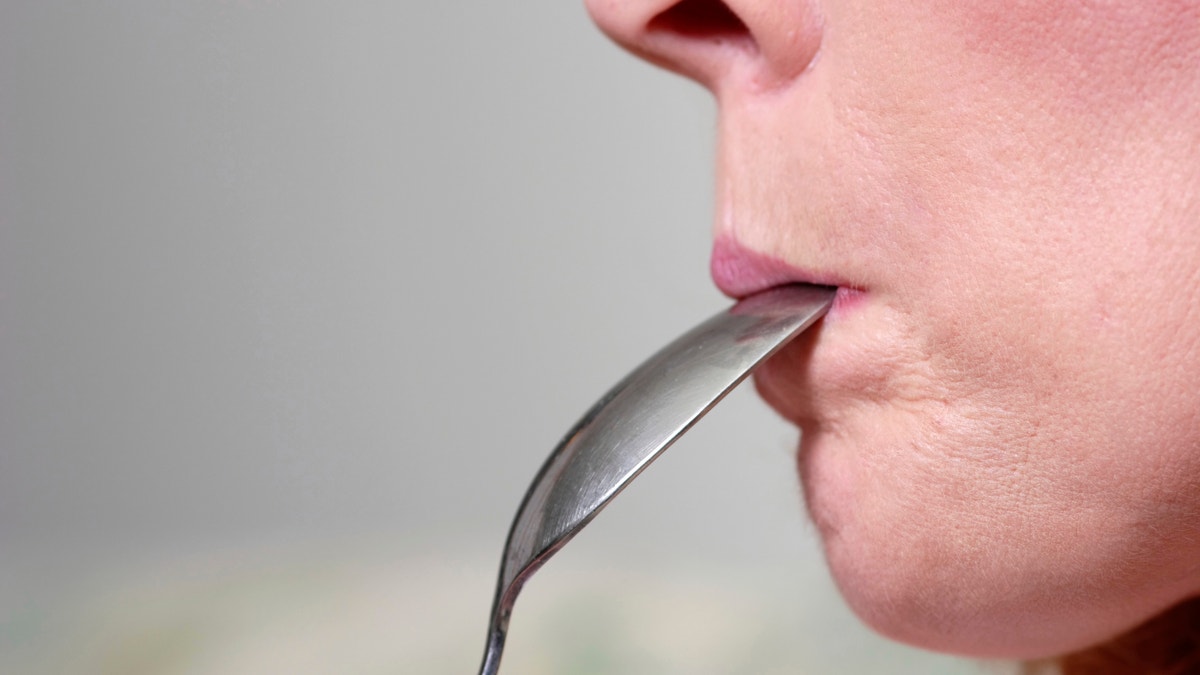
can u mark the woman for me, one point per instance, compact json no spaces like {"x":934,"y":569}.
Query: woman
{"x":1001,"y":414}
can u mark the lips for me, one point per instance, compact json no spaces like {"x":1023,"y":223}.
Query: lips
{"x":739,"y":272}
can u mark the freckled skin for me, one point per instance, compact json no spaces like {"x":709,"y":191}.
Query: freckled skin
{"x":1001,"y":442}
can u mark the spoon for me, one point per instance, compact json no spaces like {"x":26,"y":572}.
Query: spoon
{"x":633,"y":423}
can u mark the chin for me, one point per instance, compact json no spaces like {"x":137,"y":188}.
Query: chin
{"x":972,"y":577}
{"x":955,"y":618}
{"x":926,"y":599}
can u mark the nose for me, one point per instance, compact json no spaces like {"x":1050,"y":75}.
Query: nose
{"x":770,"y":42}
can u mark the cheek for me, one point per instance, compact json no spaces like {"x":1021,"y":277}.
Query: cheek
{"x":1081,"y":50}
{"x":1002,"y":169}
{"x":1049,"y":498}
{"x":971,"y":536}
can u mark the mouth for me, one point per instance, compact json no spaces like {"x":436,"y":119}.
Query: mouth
{"x":740,"y":272}
{"x":813,"y":378}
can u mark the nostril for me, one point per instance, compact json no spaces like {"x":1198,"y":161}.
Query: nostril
{"x":700,"y":19}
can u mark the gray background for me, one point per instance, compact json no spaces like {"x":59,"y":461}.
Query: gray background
{"x":316,"y":286}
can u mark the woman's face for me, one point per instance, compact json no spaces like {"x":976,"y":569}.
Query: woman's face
{"x":1001,"y":414}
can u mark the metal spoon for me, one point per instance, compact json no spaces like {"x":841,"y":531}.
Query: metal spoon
{"x":633,"y":423}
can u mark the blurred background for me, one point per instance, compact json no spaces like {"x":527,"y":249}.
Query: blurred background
{"x":295,"y":297}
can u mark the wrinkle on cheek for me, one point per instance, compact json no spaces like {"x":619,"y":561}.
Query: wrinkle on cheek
{"x":900,"y":391}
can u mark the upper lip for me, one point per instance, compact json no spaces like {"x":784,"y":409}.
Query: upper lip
{"x":740,"y":271}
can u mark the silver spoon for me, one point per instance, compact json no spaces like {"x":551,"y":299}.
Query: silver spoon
{"x":633,"y":423}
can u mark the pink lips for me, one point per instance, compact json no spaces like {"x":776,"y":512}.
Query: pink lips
{"x":739,"y":271}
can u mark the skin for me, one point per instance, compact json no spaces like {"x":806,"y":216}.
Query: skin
{"x":1001,"y":417}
